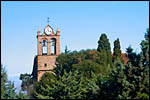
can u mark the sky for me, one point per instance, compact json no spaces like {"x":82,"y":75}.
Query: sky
{"x":80,"y":22}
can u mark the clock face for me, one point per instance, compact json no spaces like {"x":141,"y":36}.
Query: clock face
{"x":48,"y":30}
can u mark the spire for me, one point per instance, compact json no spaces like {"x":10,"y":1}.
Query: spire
{"x":57,"y":31}
{"x":38,"y":31}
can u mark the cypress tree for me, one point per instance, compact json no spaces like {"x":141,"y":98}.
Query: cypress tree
{"x":117,"y":51}
{"x":104,"y":50}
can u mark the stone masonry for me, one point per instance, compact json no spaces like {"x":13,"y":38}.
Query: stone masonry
{"x":46,"y":62}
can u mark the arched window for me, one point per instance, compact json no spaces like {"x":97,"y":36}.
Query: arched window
{"x":44,"y":47}
{"x":53,"y":46}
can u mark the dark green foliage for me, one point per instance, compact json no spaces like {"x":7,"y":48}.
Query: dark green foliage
{"x":27,"y":83}
{"x":145,"y":62}
{"x":66,"y":50}
{"x":117,"y":86}
{"x":119,"y":81}
{"x":22,"y":95}
{"x":45,"y":80}
{"x":143,"y":96}
{"x":145,"y":47}
{"x":68,"y":86}
{"x":86,"y":61}
{"x":88,"y":66}
{"x":69,"y":61}
{"x":66,"y":61}
{"x":7,"y":87}
{"x":133,"y":56}
{"x":137,"y":71}
{"x":3,"y":75}
{"x":104,"y":51}
{"x":3,"y":80}
{"x":139,"y":82}
{"x":92,"y":88}
{"x":8,"y":91}
{"x":117,"y":51}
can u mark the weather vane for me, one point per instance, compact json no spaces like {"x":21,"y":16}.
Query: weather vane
{"x":48,"y":20}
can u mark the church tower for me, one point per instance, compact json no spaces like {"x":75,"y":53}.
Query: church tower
{"x":47,"y":50}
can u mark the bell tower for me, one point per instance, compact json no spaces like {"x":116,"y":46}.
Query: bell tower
{"x":48,"y":48}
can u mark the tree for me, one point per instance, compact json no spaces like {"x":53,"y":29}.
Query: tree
{"x":68,"y":86}
{"x":137,"y":79}
{"x":144,"y":62}
{"x":105,"y":51}
{"x":65,"y":62}
{"x":3,"y":80}
{"x":28,"y":83}
{"x":22,"y":95}
{"x":137,"y":71}
{"x":117,"y":51}
{"x":8,"y":91}
{"x":7,"y":87}
{"x":117,"y":86}
{"x":87,"y":67}
{"x":92,"y":88}
{"x":66,"y":50}
{"x":145,"y":47}
{"x":132,"y":56}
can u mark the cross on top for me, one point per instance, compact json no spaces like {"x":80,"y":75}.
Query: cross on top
{"x":48,"y":20}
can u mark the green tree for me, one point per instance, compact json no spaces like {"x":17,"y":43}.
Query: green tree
{"x":137,"y":70}
{"x":3,"y":80}
{"x":132,"y":56}
{"x":65,"y":62}
{"x":92,"y":88}
{"x":105,"y":51}
{"x":27,"y":84}
{"x":8,"y":91}
{"x":7,"y":87}
{"x":145,"y":47}
{"x":68,"y":86}
{"x":22,"y":95}
{"x":117,"y":86}
{"x":86,"y":61}
{"x":66,"y":50}
{"x":46,"y":80}
{"x":137,"y":78}
{"x":144,"y":62}
{"x":117,"y":51}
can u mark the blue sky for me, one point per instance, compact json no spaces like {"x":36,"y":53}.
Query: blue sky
{"x":80,"y":22}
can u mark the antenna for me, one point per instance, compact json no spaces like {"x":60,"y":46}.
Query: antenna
{"x":48,"y":20}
